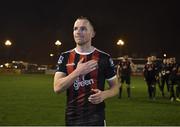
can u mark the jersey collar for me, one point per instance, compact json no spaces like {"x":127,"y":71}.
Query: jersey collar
{"x":85,"y":53}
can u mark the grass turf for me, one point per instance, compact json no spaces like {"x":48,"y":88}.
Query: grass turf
{"x":29,"y":100}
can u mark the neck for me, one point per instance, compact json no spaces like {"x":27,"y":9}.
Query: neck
{"x":84,"y":48}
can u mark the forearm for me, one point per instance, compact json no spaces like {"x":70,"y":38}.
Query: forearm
{"x":110,"y":93}
{"x":99,"y":96}
{"x":61,"y":84}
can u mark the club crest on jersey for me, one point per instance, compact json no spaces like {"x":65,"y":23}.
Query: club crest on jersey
{"x":60,"y":60}
{"x":81,"y":82}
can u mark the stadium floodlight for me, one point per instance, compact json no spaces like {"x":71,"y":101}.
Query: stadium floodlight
{"x":164,"y":54}
{"x":58,"y":43}
{"x":8,"y":43}
{"x":51,"y":54}
{"x":120,"y":42}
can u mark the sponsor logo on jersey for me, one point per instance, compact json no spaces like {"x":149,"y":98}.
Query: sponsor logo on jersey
{"x":82,"y":82}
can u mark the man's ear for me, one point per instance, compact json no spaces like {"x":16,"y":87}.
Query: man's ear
{"x":93,"y":34}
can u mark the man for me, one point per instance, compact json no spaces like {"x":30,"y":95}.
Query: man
{"x":150,"y":77}
{"x":178,"y":84}
{"x":173,"y":77}
{"x":82,"y":72}
{"x":165,"y":72}
{"x":124,"y":74}
{"x":157,"y":67}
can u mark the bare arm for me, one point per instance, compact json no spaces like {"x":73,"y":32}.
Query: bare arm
{"x":133,"y":66}
{"x":62,"y":82}
{"x":100,"y":96}
{"x":118,"y":69}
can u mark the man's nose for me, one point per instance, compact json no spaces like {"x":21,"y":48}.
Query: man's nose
{"x":79,"y":31}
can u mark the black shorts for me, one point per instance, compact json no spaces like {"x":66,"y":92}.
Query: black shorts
{"x":126,"y":79}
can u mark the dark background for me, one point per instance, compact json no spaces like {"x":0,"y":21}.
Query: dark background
{"x":146,"y":27}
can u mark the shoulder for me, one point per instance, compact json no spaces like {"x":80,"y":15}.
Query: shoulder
{"x":67,"y":52}
{"x":105,"y":58}
{"x":64,"y":55}
{"x":104,"y":54}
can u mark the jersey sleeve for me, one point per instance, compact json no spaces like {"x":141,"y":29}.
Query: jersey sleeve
{"x":110,"y":71}
{"x":61,"y":64}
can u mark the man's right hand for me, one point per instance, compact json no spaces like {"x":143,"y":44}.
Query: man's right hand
{"x":85,"y":68}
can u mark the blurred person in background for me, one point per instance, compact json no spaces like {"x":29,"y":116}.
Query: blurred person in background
{"x":165,"y":72}
{"x":150,"y":77}
{"x":124,"y":70}
{"x":173,"y":77}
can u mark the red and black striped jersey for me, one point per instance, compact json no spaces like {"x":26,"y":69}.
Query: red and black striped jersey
{"x":149,"y":71}
{"x":79,"y":109}
{"x":125,"y":68}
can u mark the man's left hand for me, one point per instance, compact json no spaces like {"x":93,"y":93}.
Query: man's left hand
{"x":97,"y":97}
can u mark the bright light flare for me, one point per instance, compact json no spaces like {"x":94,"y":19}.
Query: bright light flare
{"x":8,"y":43}
{"x":58,"y":43}
{"x":51,"y":54}
{"x":120,"y":42}
{"x":165,"y":55}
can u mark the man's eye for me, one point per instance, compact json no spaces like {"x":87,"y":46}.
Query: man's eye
{"x":83,"y":28}
{"x":75,"y":28}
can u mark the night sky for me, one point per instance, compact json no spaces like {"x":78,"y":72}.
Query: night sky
{"x":146,"y":27}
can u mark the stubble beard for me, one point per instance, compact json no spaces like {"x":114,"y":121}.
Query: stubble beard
{"x":81,"y":43}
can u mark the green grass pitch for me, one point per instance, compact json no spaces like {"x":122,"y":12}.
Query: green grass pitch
{"x":29,"y":100}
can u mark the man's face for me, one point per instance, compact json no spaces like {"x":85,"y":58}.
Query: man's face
{"x":168,"y":61}
{"x":164,"y":61}
{"x":153,"y":58}
{"x":83,"y":32}
{"x":174,"y":60}
{"x":149,"y":59}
